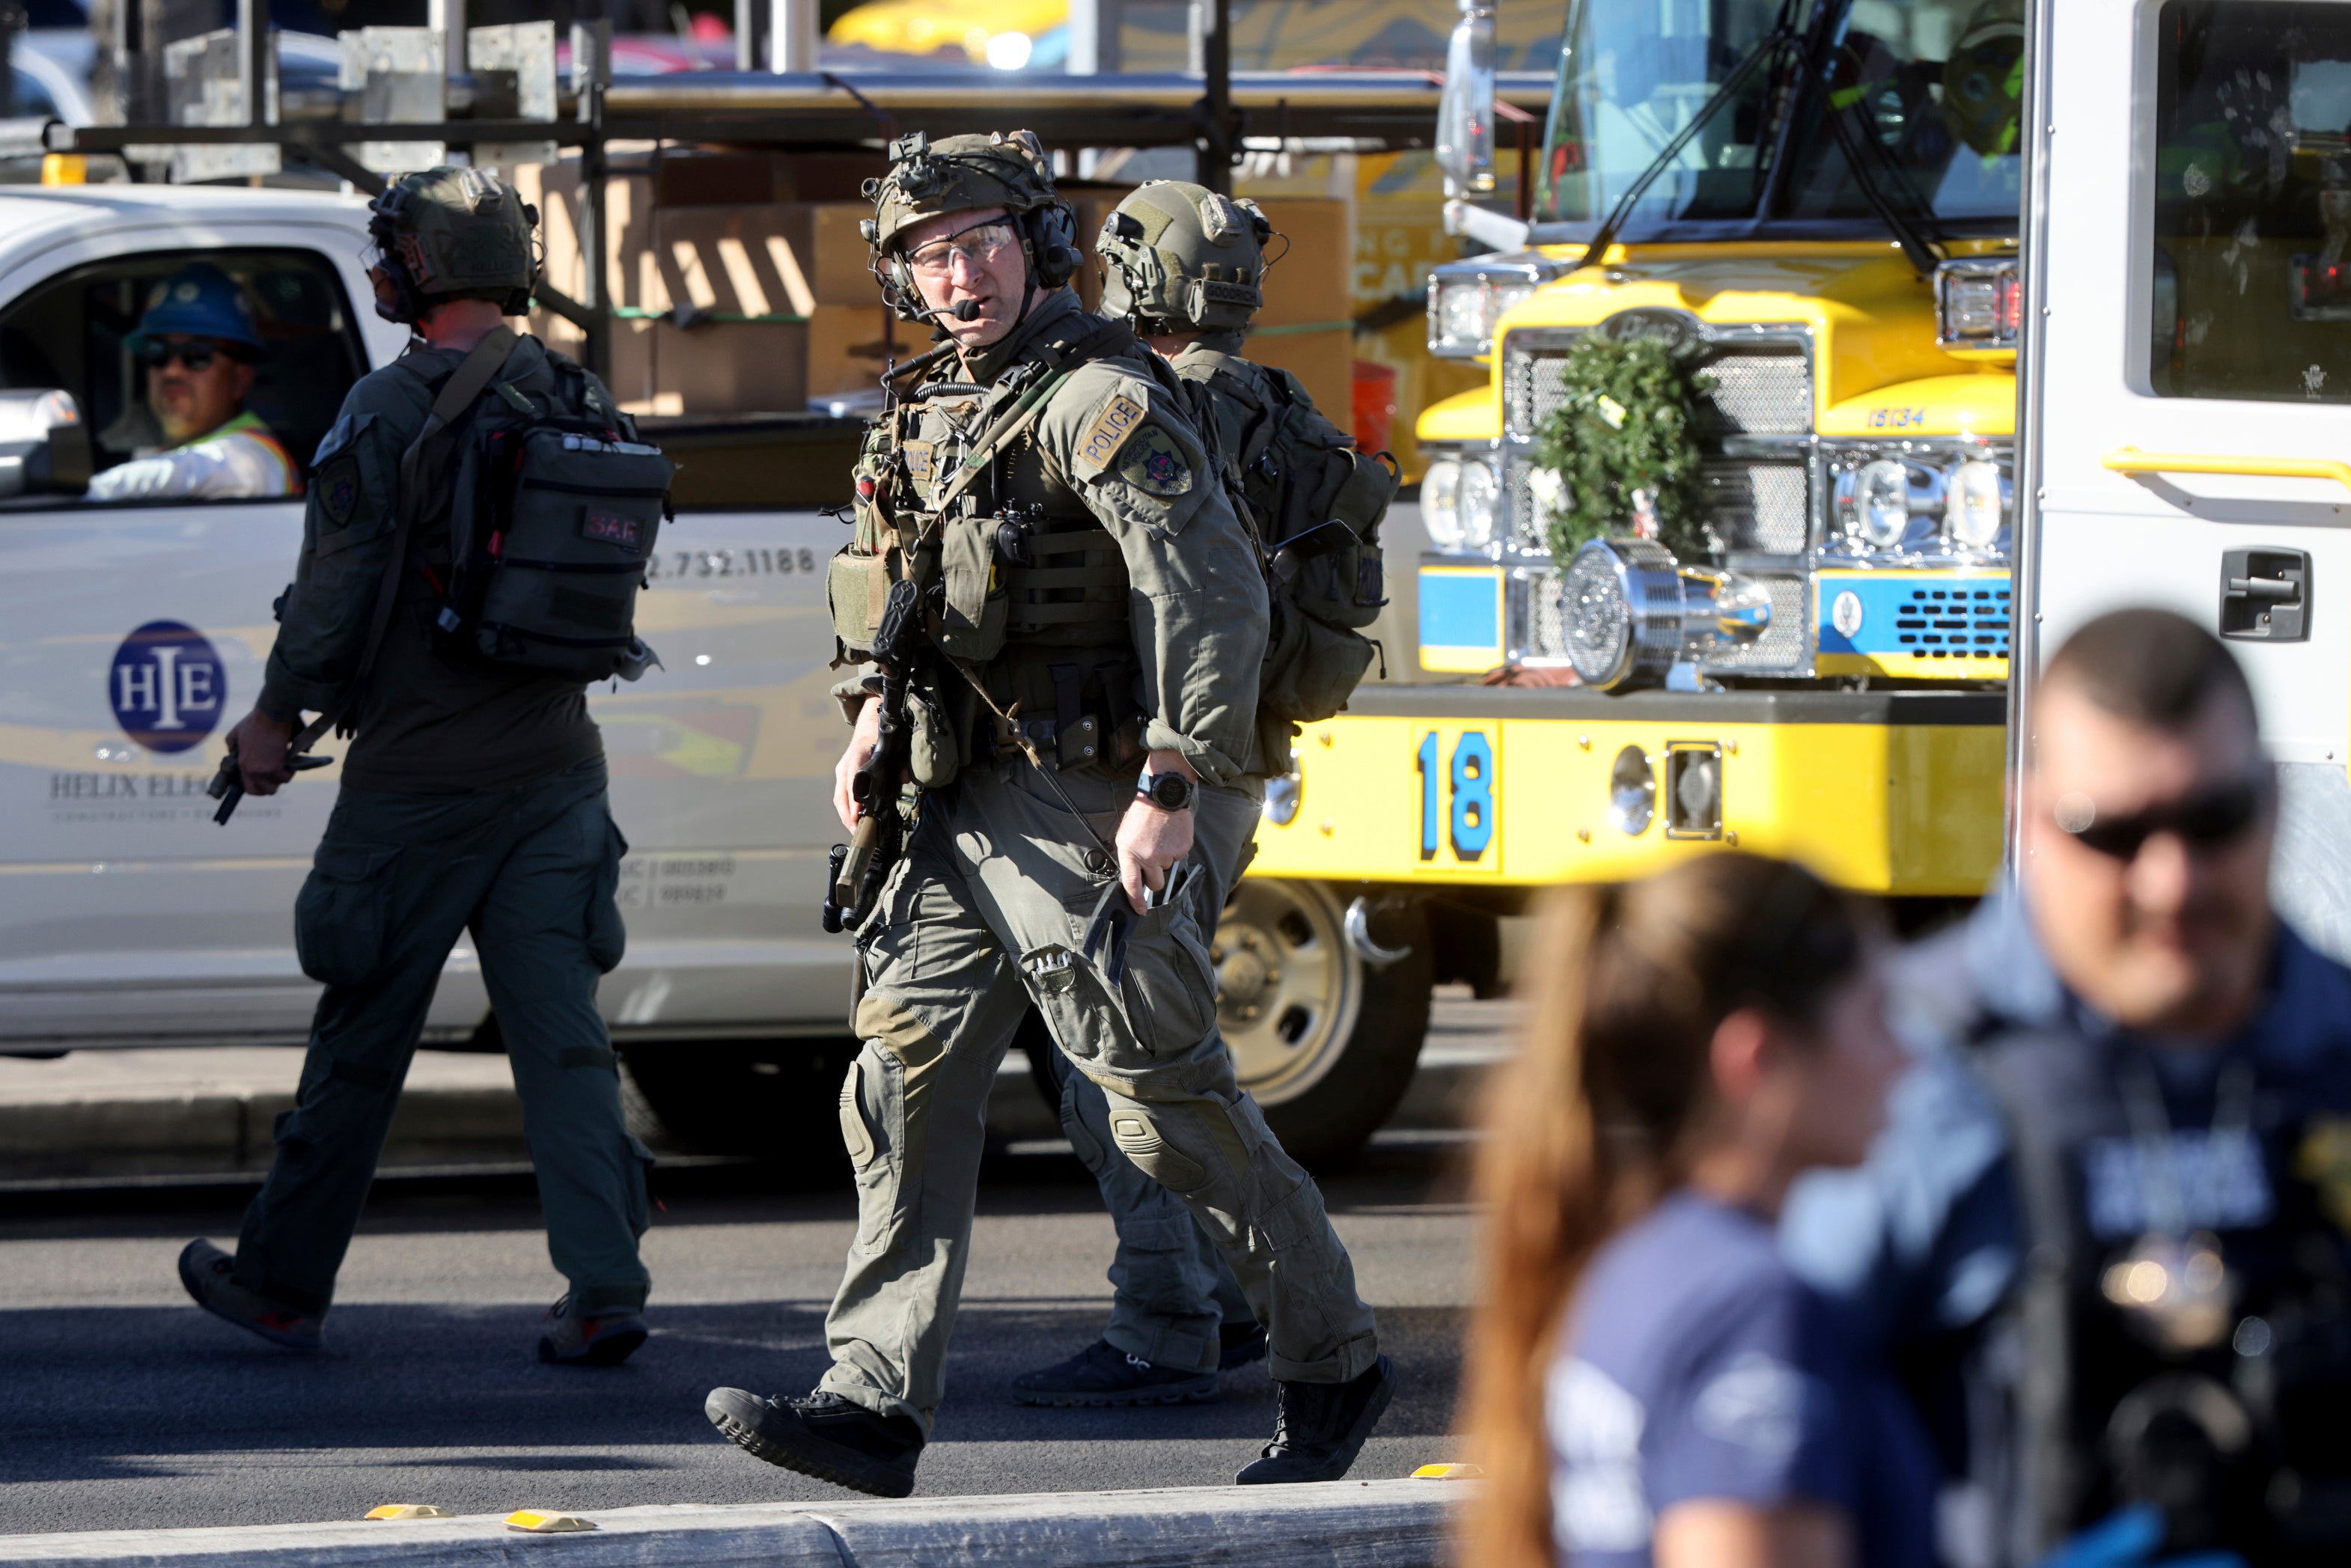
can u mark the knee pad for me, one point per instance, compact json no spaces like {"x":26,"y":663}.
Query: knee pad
{"x":1140,"y":1141}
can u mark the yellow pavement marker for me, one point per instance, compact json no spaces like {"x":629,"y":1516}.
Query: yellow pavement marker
{"x":546,"y":1521}
{"x":408,"y":1511}
{"x":1448,"y":1472}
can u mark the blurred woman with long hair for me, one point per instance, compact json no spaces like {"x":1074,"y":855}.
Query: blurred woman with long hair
{"x":1647,"y":1383}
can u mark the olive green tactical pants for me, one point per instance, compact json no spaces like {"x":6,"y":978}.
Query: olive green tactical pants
{"x":1171,"y":1289}
{"x":397,"y":878}
{"x":987,"y":913}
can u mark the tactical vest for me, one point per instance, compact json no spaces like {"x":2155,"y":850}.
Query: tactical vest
{"x":1025,"y":593}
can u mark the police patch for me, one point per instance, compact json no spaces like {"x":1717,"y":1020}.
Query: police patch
{"x":1118,"y":421}
{"x":1154,"y":465}
{"x":919,"y":462}
{"x":339,"y":489}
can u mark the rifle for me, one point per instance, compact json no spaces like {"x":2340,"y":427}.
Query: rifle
{"x":857,"y":869}
{"x":228,"y":785}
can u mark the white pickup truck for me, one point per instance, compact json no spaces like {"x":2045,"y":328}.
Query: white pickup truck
{"x":131,"y":636}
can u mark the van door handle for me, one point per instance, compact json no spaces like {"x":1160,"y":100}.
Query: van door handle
{"x":2131,"y":460}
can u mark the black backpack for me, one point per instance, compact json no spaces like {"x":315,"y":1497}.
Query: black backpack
{"x":554,"y":511}
{"x":1317,"y":504}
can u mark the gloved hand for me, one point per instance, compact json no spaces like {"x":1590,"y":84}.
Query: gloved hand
{"x":2131,"y":1538}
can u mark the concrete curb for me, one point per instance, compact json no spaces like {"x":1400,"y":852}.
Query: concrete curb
{"x":1342,"y":1524}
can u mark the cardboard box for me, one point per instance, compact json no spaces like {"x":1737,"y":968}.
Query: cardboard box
{"x":784,"y":258}
{"x":850,"y":345}
{"x":742,"y":367}
{"x":1312,"y":283}
{"x":1324,"y":360}
{"x":554,"y":189}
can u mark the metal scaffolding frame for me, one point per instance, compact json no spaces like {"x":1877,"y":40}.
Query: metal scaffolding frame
{"x":1214,"y":110}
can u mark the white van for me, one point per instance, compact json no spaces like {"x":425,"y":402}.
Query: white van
{"x":131,"y":636}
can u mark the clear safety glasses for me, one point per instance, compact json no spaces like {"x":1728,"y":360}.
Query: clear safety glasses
{"x":981,"y":245}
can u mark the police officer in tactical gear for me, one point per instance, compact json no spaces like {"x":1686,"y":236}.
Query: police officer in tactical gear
{"x":1082,"y":708}
{"x":1185,"y":268}
{"x":472,"y":799}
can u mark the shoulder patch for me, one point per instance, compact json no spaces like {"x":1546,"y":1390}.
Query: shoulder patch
{"x":1155,"y":465}
{"x":338,"y":488}
{"x":1119,"y":418}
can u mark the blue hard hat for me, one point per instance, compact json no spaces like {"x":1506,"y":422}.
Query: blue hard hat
{"x":199,"y":301}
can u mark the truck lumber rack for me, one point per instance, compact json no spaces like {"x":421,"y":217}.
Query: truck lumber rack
{"x":1310,"y":110}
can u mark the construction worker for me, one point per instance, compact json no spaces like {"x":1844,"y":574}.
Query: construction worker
{"x":198,"y":345}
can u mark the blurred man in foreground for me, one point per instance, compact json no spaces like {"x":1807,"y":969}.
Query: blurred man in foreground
{"x":2161,"y":1197}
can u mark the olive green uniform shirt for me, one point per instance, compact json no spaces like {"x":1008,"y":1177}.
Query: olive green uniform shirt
{"x":1119,"y":445}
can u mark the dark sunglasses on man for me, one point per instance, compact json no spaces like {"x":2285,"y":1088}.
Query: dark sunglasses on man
{"x":2208,"y":819}
{"x":197,"y":355}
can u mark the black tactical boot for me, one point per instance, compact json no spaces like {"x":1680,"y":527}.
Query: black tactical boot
{"x":822,"y":1434}
{"x":1239,"y":1344}
{"x":1104,"y":1375}
{"x":1320,"y":1427}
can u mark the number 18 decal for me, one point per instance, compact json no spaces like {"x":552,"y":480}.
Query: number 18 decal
{"x":1467,"y":781}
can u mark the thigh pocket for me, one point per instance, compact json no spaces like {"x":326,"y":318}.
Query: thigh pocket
{"x":1169,"y":989}
{"x":341,"y":915}
{"x":607,"y":939}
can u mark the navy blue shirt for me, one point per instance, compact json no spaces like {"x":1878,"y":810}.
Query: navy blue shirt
{"x":1697,"y":1366}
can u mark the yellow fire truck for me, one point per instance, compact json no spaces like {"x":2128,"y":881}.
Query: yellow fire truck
{"x":1815,"y":202}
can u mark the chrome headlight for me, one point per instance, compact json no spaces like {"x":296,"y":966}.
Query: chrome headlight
{"x":1630,"y":611}
{"x":1975,"y":504}
{"x":1440,"y":503}
{"x":1931,"y":497}
{"x":1881,"y":502}
{"x":1480,"y":497}
{"x":1466,"y":297}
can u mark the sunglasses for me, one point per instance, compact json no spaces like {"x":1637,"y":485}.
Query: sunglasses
{"x":197,"y":357}
{"x":2203,"y":821}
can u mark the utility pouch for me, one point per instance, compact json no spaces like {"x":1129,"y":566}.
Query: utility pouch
{"x":971,"y":620}
{"x":1332,"y":575}
{"x":933,"y":751}
{"x":856,"y":586}
{"x":1310,"y":667}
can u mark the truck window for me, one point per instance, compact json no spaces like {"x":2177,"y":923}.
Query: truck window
{"x":2251,"y":264}
{"x":1930,"y":92}
{"x":73,"y":332}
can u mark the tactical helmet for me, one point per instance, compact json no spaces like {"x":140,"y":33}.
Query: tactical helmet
{"x":199,"y":301}
{"x":1183,"y":258}
{"x":451,"y":234}
{"x":962,"y":173}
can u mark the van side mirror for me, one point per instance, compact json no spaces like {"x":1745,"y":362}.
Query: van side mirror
{"x":44,"y":444}
{"x":1465,"y":112}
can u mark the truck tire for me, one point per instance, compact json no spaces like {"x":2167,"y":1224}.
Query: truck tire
{"x":1323,"y":1040}
{"x":776,"y":1100}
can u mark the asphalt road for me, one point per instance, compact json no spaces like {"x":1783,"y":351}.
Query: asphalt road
{"x":121,"y":1406}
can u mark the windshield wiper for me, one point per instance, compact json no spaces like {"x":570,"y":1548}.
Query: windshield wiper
{"x":1766,"y":49}
{"x":1916,"y":249}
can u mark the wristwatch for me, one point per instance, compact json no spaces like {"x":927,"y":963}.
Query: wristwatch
{"x":1168,"y":792}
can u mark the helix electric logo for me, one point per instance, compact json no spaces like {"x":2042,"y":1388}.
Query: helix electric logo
{"x":167,"y":686}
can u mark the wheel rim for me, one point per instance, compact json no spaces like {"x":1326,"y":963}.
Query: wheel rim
{"x":1287,"y":989}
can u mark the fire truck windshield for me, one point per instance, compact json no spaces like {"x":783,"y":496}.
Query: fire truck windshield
{"x":1926,"y":91}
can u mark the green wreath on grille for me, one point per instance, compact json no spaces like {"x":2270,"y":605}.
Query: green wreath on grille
{"x":1626,"y":423}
